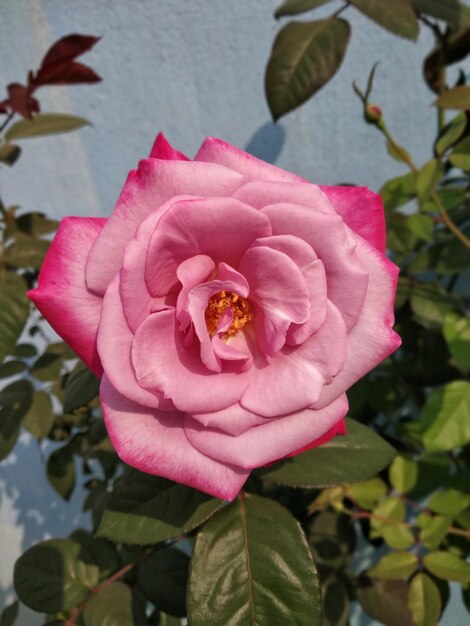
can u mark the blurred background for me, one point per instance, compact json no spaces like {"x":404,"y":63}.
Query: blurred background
{"x":189,"y":69}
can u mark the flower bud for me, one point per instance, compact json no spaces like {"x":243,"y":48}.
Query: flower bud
{"x":372,"y":114}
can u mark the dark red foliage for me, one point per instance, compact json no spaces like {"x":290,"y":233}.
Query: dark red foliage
{"x":58,"y":67}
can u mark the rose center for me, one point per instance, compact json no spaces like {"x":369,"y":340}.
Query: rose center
{"x":219,"y":303}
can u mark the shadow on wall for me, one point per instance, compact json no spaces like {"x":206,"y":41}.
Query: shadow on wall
{"x":267,"y":142}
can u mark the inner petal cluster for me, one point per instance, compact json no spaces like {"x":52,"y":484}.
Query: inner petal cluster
{"x":218,"y":304}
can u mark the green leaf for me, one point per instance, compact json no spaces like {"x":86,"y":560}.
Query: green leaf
{"x":399,"y":236}
{"x":422,"y":226}
{"x":305,"y":56}
{"x":427,"y":179}
{"x":396,"y":565}
{"x":424,"y":601}
{"x":54,"y":575}
{"x":115,"y":605}
{"x":45,"y":124}
{"x":163,"y":578}
{"x":357,"y":456}
{"x":15,"y":400}
{"x":460,"y":156}
{"x":430,"y":303}
{"x":146,"y":509}
{"x":335,"y":604}
{"x":251,"y":566}
{"x":447,"y":566}
{"x":396,"y":534}
{"x":457,"y":334}
{"x":385,"y":601}
{"x":11,"y":368}
{"x":397,"y":152}
{"x":40,"y":417}
{"x":27,"y":252}
{"x":14,"y":311}
{"x":294,"y":7}
{"x":25,"y":350}
{"x":456,"y":98}
{"x":102,"y":552}
{"x":446,"y":417}
{"x":403,"y":474}
{"x":332,"y":538}
{"x":36,"y":224}
{"x":9,"y":614}
{"x":367,"y":492}
{"x":450,"y":11}
{"x":433,"y":529}
{"x":48,"y":366}
{"x":81,"y":388}
{"x":398,"y":17}
{"x":451,"y":133}
{"x":61,"y":471}
{"x":449,"y":502}
{"x":9,"y":153}
{"x":398,"y":191}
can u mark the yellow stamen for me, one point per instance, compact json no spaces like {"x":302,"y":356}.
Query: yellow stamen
{"x":216,"y":307}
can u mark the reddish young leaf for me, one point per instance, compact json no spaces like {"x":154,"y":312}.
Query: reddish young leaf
{"x":68,"y":48}
{"x":65,"y":73}
{"x":20,"y":100}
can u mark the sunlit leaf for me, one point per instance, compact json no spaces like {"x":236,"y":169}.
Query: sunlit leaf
{"x":456,"y":98}
{"x":305,"y":56}
{"x":424,"y":600}
{"x":251,"y":565}
{"x":294,"y":7}
{"x":396,"y":565}
{"x":446,"y":417}
{"x":398,"y":17}
{"x":146,"y":509}
{"x":353,"y":457}
{"x":45,"y":124}
{"x":447,"y":566}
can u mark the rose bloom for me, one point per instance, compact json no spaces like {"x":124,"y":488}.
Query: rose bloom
{"x":227,"y":305}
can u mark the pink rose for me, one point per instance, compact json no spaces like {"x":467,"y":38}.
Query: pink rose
{"x":228,"y":305}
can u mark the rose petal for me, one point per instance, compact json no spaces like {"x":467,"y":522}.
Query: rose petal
{"x":259,"y":194}
{"x":215,"y":150}
{"x":146,"y":189}
{"x":154,"y":442}
{"x":293,"y":379}
{"x":329,"y":237}
{"x":161,"y":362}
{"x":362,"y":210}
{"x":221,"y":228}
{"x":233,"y":420}
{"x":190,"y":273}
{"x":114,"y":347}
{"x":267,"y":442}
{"x":280,"y":293}
{"x":162,"y":149}
{"x":62,"y":295}
{"x":337,"y":429}
{"x":315,"y":278}
{"x":372,"y":338}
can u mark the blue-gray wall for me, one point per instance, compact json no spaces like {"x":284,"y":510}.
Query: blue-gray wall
{"x":191,"y":68}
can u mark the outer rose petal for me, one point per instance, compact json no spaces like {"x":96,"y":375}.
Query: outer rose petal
{"x":268,"y":442}
{"x":338,"y":429}
{"x":146,"y":189}
{"x":362,"y":210}
{"x":262,"y":193}
{"x":372,"y":338}
{"x":162,"y":149}
{"x":233,"y":420}
{"x":215,"y":150}
{"x":62,"y":295}
{"x":114,"y":346}
{"x":154,"y":442}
